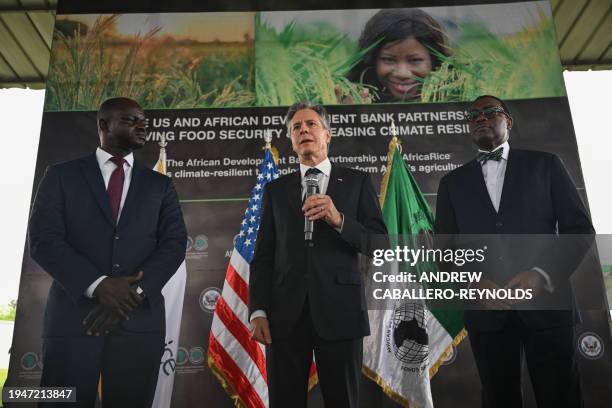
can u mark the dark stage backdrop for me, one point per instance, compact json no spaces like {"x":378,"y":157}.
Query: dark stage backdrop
{"x":212,"y":83}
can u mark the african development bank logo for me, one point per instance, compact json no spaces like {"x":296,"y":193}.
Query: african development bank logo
{"x":30,"y":360}
{"x":407,"y":337}
{"x":197,"y":247}
{"x":591,"y":346}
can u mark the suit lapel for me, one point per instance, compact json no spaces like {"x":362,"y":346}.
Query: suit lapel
{"x":334,"y":187}
{"x":509,"y":187}
{"x":131,"y":201}
{"x":480,"y":187}
{"x":294,"y":191}
{"x":91,"y":171}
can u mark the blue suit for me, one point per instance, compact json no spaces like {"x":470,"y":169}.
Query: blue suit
{"x":73,"y":237}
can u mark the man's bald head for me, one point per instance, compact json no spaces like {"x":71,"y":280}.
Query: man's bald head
{"x":113,"y":105}
{"x":121,"y":126}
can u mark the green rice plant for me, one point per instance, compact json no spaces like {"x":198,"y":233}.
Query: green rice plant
{"x":89,"y":68}
{"x":300,"y":64}
{"x":83,"y":72}
{"x":522,"y":65}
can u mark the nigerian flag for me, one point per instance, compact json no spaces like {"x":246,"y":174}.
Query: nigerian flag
{"x":408,"y":341}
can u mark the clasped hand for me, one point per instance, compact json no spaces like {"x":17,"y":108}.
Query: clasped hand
{"x":117,"y":299}
{"x":525,"y":280}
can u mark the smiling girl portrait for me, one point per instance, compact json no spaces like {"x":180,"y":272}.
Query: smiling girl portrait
{"x":405,"y":46}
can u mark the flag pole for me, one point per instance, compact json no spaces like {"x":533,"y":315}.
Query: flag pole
{"x":392,"y":144}
{"x":162,"y":154}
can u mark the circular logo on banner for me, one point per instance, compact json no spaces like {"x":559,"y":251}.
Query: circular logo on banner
{"x":196,"y":355}
{"x":182,"y":355}
{"x":200,"y":243}
{"x":29,"y":360}
{"x":450,"y":357}
{"x":189,"y":243}
{"x":407,"y":336}
{"x":209,"y":298}
{"x":591,"y":346}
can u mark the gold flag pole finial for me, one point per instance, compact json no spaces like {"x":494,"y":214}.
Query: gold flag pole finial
{"x":392,"y":144}
{"x":268,"y":146}
{"x":161,"y":162}
{"x":394,"y":140}
{"x":268,"y":138}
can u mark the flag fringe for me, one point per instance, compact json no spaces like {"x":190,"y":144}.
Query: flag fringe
{"x":371,"y":374}
{"x":227,"y":386}
{"x":458,"y":339}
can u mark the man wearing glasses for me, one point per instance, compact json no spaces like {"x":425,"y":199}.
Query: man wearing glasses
{"x":538,"y":198}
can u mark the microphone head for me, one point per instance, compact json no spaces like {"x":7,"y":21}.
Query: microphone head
{"x":311,"y":180}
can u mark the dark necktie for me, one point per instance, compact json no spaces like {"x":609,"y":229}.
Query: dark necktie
{"x":313,"y":171}
{"x":495,"y":156}
{"x":115,"y":186}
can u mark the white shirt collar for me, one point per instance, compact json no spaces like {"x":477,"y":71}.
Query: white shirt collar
{"x":505,"y":146}
{"x":324,"y":166}
{"x":103,"y":156}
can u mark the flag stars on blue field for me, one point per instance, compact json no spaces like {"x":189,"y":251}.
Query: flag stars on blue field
{"x":245,"y":242}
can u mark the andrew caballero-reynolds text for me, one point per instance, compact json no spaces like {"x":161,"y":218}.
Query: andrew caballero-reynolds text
{"x":406,"y":273}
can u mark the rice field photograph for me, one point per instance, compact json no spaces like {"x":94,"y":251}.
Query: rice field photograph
{"x":434,"y":54}
{"x":163,"y":61}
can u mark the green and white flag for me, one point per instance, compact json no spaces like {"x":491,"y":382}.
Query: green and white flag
{"x":408,"y":341}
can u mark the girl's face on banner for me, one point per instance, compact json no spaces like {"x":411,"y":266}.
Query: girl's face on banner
{"x":398,"y":64}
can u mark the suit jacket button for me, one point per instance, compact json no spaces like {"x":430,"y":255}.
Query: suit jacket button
{"x":116,"y":236}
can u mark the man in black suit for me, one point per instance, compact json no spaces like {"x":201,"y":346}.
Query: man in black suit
{"x":538,"y":198}
{"x":111,"y":234}
{"x":308,"y":295}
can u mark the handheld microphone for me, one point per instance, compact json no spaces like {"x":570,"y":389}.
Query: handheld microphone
{"x":312,"y":188}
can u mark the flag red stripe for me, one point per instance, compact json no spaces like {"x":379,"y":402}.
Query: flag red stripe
{"x":241,"y":333}
{"x":237,"y":283}
{"x":233,"y":374}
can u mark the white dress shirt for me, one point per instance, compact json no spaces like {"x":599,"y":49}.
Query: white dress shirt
{"x":494,"y":173}
{"x":325,"y":168}
{"x":106,"y":168}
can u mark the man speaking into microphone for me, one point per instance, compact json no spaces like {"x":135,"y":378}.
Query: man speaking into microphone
{"x":306,"y":292}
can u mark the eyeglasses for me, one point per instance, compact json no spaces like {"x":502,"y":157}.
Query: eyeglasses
{"x":489,"y":113}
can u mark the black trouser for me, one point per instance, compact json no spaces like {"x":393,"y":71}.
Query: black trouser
{"x":127,"y":364}
{"x":551,"y":360}
{"x":288,"y":364}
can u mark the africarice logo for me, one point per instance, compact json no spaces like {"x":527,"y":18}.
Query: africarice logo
{"x":407,"y":337}
{"x":168,"y":362}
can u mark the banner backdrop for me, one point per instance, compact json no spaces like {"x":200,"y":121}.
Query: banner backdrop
{"x":212,"y":82}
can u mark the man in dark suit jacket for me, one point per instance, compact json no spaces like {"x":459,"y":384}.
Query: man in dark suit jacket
{"x":111,"y":234}
{"x":308,"y":295}
{"x":538,"y":198}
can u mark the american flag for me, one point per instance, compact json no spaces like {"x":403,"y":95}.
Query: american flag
{"x":237,"y":361}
